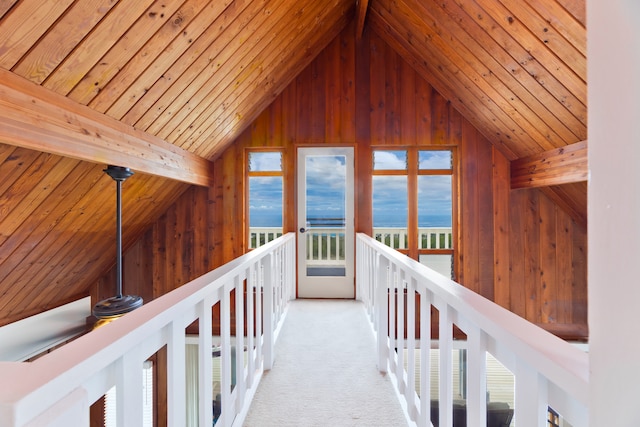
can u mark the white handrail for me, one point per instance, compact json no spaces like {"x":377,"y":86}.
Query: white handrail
{"x":548,"y":371}
{"x":58,"y":388}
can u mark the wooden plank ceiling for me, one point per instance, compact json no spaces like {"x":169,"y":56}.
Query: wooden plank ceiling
{"x":516,"y":69}
{"x":195,"y":73}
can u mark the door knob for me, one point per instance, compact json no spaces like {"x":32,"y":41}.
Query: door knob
{"x":302,"y":229}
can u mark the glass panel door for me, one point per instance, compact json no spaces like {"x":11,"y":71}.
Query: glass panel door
{"x":325,"y":223}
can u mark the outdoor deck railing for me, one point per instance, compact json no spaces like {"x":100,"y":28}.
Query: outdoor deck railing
{"x":58,"y":388}
{"x":548,"y":371}
{"x":325,"y":244}
{"x":428,"y":237}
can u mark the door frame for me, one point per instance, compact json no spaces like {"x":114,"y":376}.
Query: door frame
{"x":326,"y":286}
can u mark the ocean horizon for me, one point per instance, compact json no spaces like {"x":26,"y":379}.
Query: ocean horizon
{"x":382,"y":221}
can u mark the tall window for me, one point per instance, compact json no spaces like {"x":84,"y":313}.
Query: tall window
{"x":413,"y":204}
{"x":265,"y":181}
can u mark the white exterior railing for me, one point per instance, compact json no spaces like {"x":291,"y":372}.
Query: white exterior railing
{"x":58,"y":388}
{"x":325,"y":245}
{"x":260,"y":236}
{"x":549,"y":372}
{"x":428,"y":237}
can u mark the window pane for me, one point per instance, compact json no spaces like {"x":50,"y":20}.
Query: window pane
{"x":265,"y":162}
{"x":435,"y":159}
{"x":390,"y":212}
{"x":434,"y":201}
{"x":265,"y":209}
{"x":390,"y":160}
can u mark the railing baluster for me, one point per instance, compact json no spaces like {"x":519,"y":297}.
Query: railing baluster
{"x":251,"y":366}
{"x":128,"y":391}
{"x":268,"y":312}
{"x":477,"y":376}
{"x":425,"y":358}
{"x":176,"y":381}
{"x":392,"y":298}
{"x":411,"y":346}
{"x":225,"y":356}
{"x":205,"y":370}
{"x":400,"y":325}
{"x":382,"y":315}
{"x":238,"y":282}
{"x":531,"y":396}
{"x":445,"y":397}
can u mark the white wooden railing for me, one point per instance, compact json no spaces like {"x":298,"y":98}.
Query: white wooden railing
{"x":428,"y":237}
{"x":58,"y":388}
{"x":549,"y":372}
{"x":325,"y":245}
{"x":260,"y":236}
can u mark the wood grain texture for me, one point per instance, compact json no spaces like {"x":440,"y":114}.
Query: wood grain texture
{"x":361,"y":15}
{"x":36,"y":118}
{"x":513,"y":246}
{"x":196,"y":77}
{"x":563,"y":165}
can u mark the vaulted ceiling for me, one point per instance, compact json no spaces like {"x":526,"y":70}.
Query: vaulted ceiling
{"x":169,"y":84}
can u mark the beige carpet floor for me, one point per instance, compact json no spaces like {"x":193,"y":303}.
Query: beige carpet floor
{"x":325,"y":372}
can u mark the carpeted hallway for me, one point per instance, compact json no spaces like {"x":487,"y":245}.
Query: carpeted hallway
{"x":325,"y":372}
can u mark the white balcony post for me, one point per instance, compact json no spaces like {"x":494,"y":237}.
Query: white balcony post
{"x":425,"y":358}
{"x":226,"y":417}
{"x":239,"y":362}
{"x":446,"y":368}
{"x":205,"y":344}
{"x":251,"y":286}
{"x":176,"y":381}
{"x":268,"y":313}
{"x":259,"y":304}
{"x":129,"y":391}
{"x":411,"y":346}
{"x":400,"y":331}
{"x":531,"y":397}
{"x":477,"y":376}
{"x":382,"y":318}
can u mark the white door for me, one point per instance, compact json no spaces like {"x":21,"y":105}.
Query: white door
{"x":325,"y":223}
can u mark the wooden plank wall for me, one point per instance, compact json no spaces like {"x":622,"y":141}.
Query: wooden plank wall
{"x":515,"y":247}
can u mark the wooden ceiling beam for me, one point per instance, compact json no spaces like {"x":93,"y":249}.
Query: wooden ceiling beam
{"x":361,"y":14}
{"x":39,"y":119}
{"x":554,"y":167}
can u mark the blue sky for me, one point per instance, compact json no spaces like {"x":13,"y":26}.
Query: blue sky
{"x":325,"y":186}
{"x":326,"y":192}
